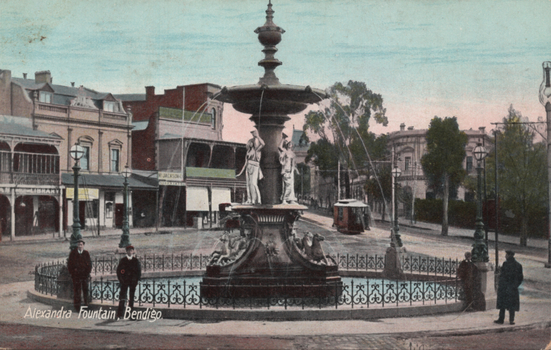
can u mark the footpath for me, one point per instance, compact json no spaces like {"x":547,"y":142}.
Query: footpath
{"x":535,"y":303}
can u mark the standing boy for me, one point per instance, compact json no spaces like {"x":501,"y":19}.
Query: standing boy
{"x":129,"y":272}
{"x":80,"y":266}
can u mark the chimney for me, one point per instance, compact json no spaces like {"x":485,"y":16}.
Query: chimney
{"x":149,"y":91}
{"x":43,"y":77}
{"x":482,"y":129}
{"x":72,"y":84}
{"x":5,"y":78}
{"x":402,"y":127}
{"x":24,"y":75}
{"x":410,"y":127}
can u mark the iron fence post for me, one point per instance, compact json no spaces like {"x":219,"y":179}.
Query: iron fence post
{"x":383,"y":293}
{"x":168,"y":293}
{"x":397,"y":293}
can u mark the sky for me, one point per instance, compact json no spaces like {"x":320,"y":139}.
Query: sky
{"x":462,"y":58}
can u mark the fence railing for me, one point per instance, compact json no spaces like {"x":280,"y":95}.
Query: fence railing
{"x":353,"y":262}
{"x":360,"y":291}
{"x":45,"y":277}
{"x":151,"y":263}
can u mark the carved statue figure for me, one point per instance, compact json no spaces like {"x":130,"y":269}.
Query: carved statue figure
{"x":231,"y":249}
{"x":271,"y":247}
{"x":288,"y":168}
{"x":252,"y":165}
{"x":311,"y":247}
{"x":82,"y":100}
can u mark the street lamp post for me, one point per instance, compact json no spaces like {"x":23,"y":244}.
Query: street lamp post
{"x":393,"y":266}
{"x":76,"y":153}
{"x":396,"y":172}
{"x":545,"y":100}
{"x":480,"y":250}
{"x":125,"y":237}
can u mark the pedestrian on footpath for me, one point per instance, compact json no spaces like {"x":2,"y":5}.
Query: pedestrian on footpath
{"x":510,"y":278}
{"x":468,"y":273}
{"x":80,"y":266}
{"x":129,"y":272}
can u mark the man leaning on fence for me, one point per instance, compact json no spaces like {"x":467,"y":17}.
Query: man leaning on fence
{"x":80,"y":266}
{"x":468,"y":273}
{"x":129,"y":272}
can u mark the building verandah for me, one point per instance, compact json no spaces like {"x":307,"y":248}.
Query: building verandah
{"x":30,"y":189}
{"x":208,"y":179}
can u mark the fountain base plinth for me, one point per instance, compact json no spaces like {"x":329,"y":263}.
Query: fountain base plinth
{"x":267,"y":259}
{"x":271,"y":286}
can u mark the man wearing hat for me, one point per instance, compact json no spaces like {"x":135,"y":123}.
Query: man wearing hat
{"x":129,"y":272}
{"x":80,"y":266}
{"x":510,"y":278}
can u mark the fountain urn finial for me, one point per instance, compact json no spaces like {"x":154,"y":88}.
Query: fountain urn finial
{"x":269,"y":36}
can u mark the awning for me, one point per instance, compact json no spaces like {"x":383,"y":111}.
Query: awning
{"x":197,"y":199}
{"x":135,"y":182}
{"x":220,"y":195}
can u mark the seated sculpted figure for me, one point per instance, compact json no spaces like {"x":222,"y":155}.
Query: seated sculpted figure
{"x":252,"y":165}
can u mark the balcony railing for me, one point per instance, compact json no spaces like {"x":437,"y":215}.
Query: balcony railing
{"x":78,"y":112}
{"x":36,"y":179}
{"x":210,"y":173}
{"x":29,"y":168}
{"x":52,"y":108}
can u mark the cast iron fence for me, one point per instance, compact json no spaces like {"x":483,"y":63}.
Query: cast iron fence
{"x":442,"y":284}
{"x":362,"y":292}
{"x":45,"y":277}
{"x":190,"y":262}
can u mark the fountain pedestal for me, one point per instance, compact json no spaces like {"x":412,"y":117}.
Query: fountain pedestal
{"x":267,"y":259}
{"x":272,"y":264}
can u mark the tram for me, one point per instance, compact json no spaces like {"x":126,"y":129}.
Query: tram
{"x":351,"y":216}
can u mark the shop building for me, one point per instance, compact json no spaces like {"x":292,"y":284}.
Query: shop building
{"x":31,"y":198}
{"x":95,"y":120}
{"x":178,"y":142}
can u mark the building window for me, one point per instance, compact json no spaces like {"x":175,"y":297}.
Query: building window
{"x":109,"y":200}
{"x":469,"y":166}
{"x":110,"y":106}
{"x":408,"y":163}
{"x":213,"y":120}
{"x":115,"y":160}
{"x":45,"y":97}
{"x":85,"y":160}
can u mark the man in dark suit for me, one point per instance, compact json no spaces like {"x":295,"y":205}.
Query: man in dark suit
{"x":129,"y":272}
{"x":80,"y":266}
{"x":468,"y":273}
{"x":510,"y":278}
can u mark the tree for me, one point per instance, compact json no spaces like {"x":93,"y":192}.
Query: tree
{"x":343,"y":129}
{"x":522,"y":172}
{"x":302,"y":180}
{"x":379,"y":186}
{"x":442,"y":164}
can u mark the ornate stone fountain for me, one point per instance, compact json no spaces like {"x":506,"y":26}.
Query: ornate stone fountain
{"x":266,"y":258}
